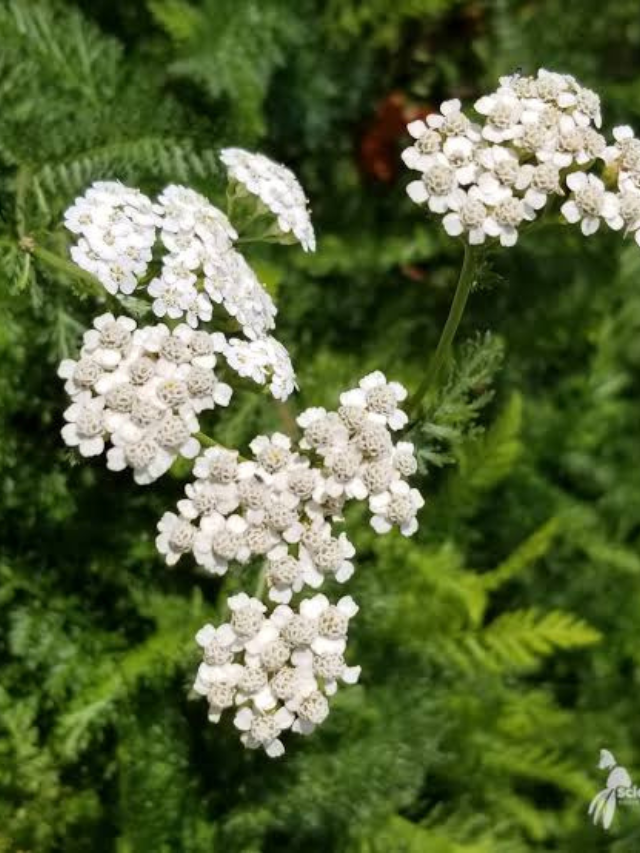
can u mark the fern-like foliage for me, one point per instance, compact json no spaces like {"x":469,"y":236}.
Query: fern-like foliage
{"x":231,"y":50}
{"x":499,"y":646}
{"x":453,"y":412}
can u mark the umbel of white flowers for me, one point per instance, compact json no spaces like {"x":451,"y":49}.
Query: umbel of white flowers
{"x":533,"y":139}
{"x":277,"y":670}
{"x":282,"y":507}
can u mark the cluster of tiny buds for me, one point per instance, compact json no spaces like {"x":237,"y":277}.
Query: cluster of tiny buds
{"x":537,"y":139}
{"x":282,"y":505}
{"x":277,"y":671}
{"x":277,"y":188}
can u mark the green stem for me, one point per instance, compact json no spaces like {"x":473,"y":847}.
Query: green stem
{"x":205,"y":441}
{"x":260,"y":584}
{"x":463,"y":289}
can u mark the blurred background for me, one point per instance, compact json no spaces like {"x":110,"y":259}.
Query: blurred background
{"x":499,"y":646}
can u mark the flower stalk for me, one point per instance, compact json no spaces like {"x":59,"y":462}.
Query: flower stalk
{"x":463,"y":289}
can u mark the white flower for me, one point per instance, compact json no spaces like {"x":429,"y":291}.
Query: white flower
{"x":194,"y":232}
{"x":503,"y":116}
{"x":540,"y":182}
{"x":176,"y":537}
{"x":468,"y":215}
{"x":625,"y":151}
{"x":247,"y":617}
{"x":501,"y":162}
{"x":81,"y":375}
{"x":292,"y":661}
{"x":277,"y":187}
{"x":437,"y":186}
{"x":398,"y":505}
{"x":583,"y":103}
{"x":218,"y":464}
{"x":263,"y":729}
{"x":330,"y":556}
{"x":151,"y":454}
{"x":428,"y":142}
{"x":629,"y":203}
{"x":487,"y":181}
{"x":85,"y":428}
{"x":312,"y":711}
{"x":184,"y":210}
{"x":179,"y":298}
{"x":219,"y":685}
{"x":328,"y":669}
{"x":505,"y":217}
{"x":322,"y":430}
{"x":283,"y":575}
{"x":589,"y":203}
{"x":150,"y":383}
{"x":404,"y":458}
{"x":332,"y":622}
{"x":219,"y":541}
{"x":216,"y":643}
{"x":344,"y":475}
{"x":109,"y":340}
{"x":273,"y":453}
{"x":451,"y":122}
{"x":380,"y":398}
{"x":185,"y":248}
{"x":207,"y":498}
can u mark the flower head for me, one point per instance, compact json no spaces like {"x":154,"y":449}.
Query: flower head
{"x":277,"y":187}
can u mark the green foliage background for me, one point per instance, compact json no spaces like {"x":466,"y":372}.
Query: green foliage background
{"x":499,"y":646}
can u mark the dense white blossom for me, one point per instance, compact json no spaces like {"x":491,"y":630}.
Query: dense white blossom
{"x":141,"y":390}
{"x":181,"y":246}
{"x":276,"y":669}
{"x":278,"y":189}
{"x":263,"y":360}
{"x":538,"y":138}
{"x":283,"y":502}
{"x":230,"y":281}
{"x":116,"y":228}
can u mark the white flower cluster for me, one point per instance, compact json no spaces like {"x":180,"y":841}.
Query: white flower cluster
{"x":277,"y":188}
{"x":119,"y":228}
{"x":140,"y":389}
{"x":116,"y":227}
{"x":262,"y":360}
{"x":277,"y":670}
{"x":199,"y":268}
{"x":281,"y":504}
{"x":537,"y":139}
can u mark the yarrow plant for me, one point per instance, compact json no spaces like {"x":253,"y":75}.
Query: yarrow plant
{"x":531,"y":149}
{"x":140,"y":388}
{"x":282,"y":507}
